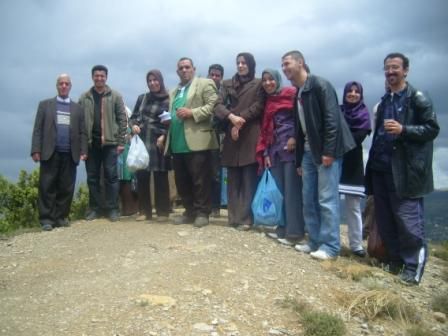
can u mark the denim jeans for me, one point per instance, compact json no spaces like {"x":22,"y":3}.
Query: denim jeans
{"x":102,"y":157}
{"x":321,"y":204}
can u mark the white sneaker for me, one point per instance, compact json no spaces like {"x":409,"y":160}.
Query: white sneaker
{"x":272,"y":235}
{"x":321,"y":255}
{"x":285,"y":241}
{"x":305,"y":248}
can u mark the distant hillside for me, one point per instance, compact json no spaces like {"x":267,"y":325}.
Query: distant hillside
{"x":436,"y":215}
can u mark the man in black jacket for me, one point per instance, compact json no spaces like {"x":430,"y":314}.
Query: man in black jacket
{"x":322,"y":139}
{"x":399,"y":170}
{"x":59,"y":142}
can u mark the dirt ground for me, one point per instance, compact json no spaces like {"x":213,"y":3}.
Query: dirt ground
{"x":145,"y":278}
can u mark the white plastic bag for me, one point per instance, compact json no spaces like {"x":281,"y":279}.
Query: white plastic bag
{"x":138,"y":157}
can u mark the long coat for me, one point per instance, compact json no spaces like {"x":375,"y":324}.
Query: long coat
{"x":44,"y":132}
{"x":146,"y":115}
{"x":247,"y":102}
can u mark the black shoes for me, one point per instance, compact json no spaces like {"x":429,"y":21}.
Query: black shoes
{"x":183,"y":220}
{"x":91,"y":215}
{"x":62,"y":223}
{"x":394,"y":268}
{"x":200,"y":221}
{"x":360,"y":253}
{"x":47,"y":227}
{"x":409,"y":278}
{"x":114,"y":216}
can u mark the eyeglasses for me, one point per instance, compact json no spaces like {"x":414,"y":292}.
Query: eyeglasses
{"x":391,"y":67}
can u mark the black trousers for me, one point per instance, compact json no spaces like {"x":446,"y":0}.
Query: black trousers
{"x":193,"y":175}
{"x":216,"y":179}
{"x":57,"y":178}
{"x":161,"y":192}
{"x":241,"y":186}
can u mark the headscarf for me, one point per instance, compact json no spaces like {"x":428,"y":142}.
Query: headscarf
{"x":250,"y":61}
{"x":277,"y":77}
{"x":356,"y":115}
{"x":282,"y":100}
{"x":157,"y":74}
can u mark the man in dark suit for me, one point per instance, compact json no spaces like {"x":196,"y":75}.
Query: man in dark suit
{"x":59,"y":142}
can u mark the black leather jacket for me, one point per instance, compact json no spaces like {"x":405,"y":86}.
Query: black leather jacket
{"x":327,"y":131}
{"x":413,"y":149}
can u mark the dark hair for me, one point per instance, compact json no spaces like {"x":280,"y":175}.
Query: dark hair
{"x":398,"y":55}
{"x":298,"y":56}
{"x":99,"y":68}
{"x":218,"y":67}
{"x":250,"y":61}
{"x":186,"y":59}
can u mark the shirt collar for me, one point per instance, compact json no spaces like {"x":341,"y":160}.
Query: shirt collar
{"x":63,"y":100}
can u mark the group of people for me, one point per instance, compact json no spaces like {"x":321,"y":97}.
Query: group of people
{"x":311,"y":144}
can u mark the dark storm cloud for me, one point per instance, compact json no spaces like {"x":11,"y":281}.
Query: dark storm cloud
{"x":342,"y":41}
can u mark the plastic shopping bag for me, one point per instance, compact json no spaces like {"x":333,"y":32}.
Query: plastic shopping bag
{"x":267,"y":205}
{"x":138,"y":157}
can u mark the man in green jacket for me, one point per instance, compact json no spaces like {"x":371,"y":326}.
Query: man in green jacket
{"x":105,"y":120}
{"x":191,"y":138}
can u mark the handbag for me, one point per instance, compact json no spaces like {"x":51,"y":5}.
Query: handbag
{"x":375,"y":245}
{"x":267,"y":205}
{"x":138,"y":157}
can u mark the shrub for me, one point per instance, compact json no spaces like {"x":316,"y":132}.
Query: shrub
{"x":441,"y":250}
{"x":80,"y":203}
{"x":18,"y":202}
{"x":320,"y":324}
{"x":418,"y":331}
{"x":315,"y":323}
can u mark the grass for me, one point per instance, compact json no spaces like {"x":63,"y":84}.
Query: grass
{"x":315,"y":323}
{"x":348,"y":269}
{"x":374,"y":304}
{"x":440,"y":302}
{"x":419,"y":331}
{"x":322,"y":324}
{"x":440,"y":250}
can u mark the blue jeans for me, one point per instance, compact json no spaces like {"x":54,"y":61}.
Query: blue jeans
{"x":321,"y":204}
{"x":102,"y":157}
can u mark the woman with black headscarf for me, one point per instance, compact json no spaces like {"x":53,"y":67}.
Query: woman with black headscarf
{"x":241,"y":105}
{"x":145,"y":121}
{"x":352,"y":177}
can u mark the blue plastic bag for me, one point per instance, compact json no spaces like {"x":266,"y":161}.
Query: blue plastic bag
{"x":267,"y":205}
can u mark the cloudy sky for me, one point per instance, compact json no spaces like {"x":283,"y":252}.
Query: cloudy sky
{"x":341,"y":40}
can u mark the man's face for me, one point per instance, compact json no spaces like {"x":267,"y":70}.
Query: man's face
{"x":185,"y":71}
{"x":216,"y":75}
{"x":291,"y":67}
{"x":394,"y":71}
{"x":63,"y":86}
{"x":99,"y":78}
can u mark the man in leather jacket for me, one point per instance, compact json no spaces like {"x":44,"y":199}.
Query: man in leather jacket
{"x":323,"y":137}
{"x":399,"y":170}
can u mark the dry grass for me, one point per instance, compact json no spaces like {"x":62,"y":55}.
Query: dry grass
{"x":315,"y":323}
{"x":376,"y":304}
{"x":348,"y":269}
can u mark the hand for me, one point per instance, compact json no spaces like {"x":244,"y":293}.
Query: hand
{"x":299,"y":171}
{"x":184,"y":113}
{"x":36,"y":157}
{"x":236,"y":120}
{"x":136,"y":129}
{"x":83,"y":157}
{"x":120,"y":149}
{"x":393,"y":127}
{"x":235,"y":132}
{"x":327,"y":160}
{"x":161,"y":142}
{"x":291,"y":145}
{"x":267,"y":162}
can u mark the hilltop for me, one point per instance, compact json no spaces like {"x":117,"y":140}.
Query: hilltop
{"x":134,"y":278}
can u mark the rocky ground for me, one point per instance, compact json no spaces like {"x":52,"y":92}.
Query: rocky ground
{"x":137,"y":278}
